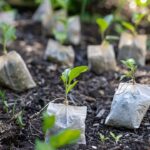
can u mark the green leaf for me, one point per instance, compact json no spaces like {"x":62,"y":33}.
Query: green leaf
{"x":63,"y":3}
{"x":129,"y":27}
{"x":71,"y":86}
{"x":137,"y":18}
{"x":42,"y":146}
{"x":75,"y":72}
{"x":20,"y":119}
{"x":142,"y":3}
{"x":64,"y":138}
{"x":65,"y":75}
{"x":103,"y":24}
{"x":60,"y":36}
{"x":109,"y":18}
{"x":129,"y":63}
{"x":48,"y":122}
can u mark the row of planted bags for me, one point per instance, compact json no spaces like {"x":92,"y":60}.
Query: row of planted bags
{"x":100,"y":57}
{"x":130,"y":104}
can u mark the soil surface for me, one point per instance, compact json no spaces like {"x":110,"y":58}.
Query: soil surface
{"x":94,"y":91}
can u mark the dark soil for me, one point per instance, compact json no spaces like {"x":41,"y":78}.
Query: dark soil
{"x":94,"y":91}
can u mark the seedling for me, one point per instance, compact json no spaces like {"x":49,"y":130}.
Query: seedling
{"x":8,"y":35}
{"x":137,"y":18}
{"x":4,"y":6}
{"x":59,"y":140}
{"x":104,"y":24}
{"x":61,"y":36}
{"x":103,"y":138}
{"x":68,"y":77}
{"x":116,"y":138}
{"x":3,"y":98}
{"x":19,"y":119}
{"x":132,"y":68}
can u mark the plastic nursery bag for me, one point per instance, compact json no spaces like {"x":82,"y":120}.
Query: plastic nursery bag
{"x":14,"y":72}
{"x":130,"y":104}
{"x":67,"y":116}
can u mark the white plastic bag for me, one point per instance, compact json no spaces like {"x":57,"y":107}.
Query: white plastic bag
{"x":67,"y":116}
{"x":14,"y":72}
{"x":130,"y":104}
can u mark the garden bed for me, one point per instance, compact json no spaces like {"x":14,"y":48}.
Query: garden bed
{"x":94,"y":91}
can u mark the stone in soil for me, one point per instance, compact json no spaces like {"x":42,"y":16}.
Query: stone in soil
{"x":56,"y":52}
{"x":101,"y":58}
{"x":14,"y":73}
{"x":130,"y":104}
{"x":67,"y":116}
{"x":133,"y":46}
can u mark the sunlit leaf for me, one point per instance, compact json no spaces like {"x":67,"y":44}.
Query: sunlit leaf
{"x":65,"y":137}
{"x":65,"y":75}
{"x":103,"y":24}
{"x":129,"y":26}
{"x":75,"y":72}
{"x":43,"y":146}
{"x":137,"y":18}
{"x":48,"y":122}
{"x":109,"y":19}
{"x":71,"y":86}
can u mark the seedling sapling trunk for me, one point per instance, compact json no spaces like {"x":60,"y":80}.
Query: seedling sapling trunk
{"x":131,"y":101}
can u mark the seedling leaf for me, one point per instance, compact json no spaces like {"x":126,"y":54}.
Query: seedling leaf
{"x":48,"y":122}
{"x":131,"y":66}
{"x":42,"y":146}
{"x":69,"y":75}
{"x":71,"y":86}
{"x":129,"y":26}
{"x":103,"y":24}
{"x":75,"y":72}
{"x":65,"y":137}
{"x":115,"y":137}
{"x":8,"y":34}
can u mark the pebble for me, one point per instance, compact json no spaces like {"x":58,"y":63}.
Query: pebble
{"x":94,"y":147}
{"x":100,"y":114}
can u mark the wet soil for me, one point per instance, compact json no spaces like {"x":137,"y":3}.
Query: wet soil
{"x":94,"y":91}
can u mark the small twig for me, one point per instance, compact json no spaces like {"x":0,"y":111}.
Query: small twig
{"x":15,"y":116}
{"x":34,"y":129}
{"x":39,"y":112}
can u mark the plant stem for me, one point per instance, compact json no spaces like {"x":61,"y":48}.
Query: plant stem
{"x":66,"y":95}
{"x":102,"y":36}
{"x":84,"y":3}
{"x":4,"y":48}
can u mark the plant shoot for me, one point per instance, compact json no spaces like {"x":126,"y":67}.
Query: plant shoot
{"x":132,"y":68}
{"x":68,"y":77}
{"x":8,"y":35}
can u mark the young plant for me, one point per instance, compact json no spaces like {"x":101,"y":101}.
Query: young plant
{"x":116,"y":138}
{"x":136,"y":18}
{"x":4,"y":6}
{"x":8,"y":35}
{"x":59,"y":140}
{"x":132,"y":68}
{"x":102,"y":138}
{"x":61,"y":36}
{"x":103,"y":24}
{"x":19,"y":119}
{"x":68,"y":77}
{"x":4,"y":102}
